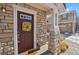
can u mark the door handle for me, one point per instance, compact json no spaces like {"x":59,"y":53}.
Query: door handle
{"x":18,"y":35}
{"x":19,"y":41}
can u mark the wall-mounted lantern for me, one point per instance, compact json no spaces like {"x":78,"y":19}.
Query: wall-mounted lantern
{"x":3,"y":8}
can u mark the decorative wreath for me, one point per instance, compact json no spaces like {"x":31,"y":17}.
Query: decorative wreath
{"x":26,"y":26}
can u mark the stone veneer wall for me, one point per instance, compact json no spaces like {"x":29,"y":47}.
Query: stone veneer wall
{"x":6,"y":28}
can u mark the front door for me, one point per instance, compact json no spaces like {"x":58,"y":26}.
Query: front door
{"x":25,"y":29}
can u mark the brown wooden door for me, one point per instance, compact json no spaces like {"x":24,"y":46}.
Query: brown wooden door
{"x":25,"y":31}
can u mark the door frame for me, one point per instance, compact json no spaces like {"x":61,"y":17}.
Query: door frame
{"x":15,"y":9}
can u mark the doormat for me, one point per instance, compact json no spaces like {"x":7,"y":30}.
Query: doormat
{"x":47,"y":53}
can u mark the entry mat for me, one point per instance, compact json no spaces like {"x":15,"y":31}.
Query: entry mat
{"x":47,"y":53}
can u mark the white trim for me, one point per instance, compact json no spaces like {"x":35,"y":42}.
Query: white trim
{"x":74,"y":23}
{"x":16,"y":8}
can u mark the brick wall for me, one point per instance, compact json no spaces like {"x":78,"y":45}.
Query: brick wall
{"x":6,"y":28}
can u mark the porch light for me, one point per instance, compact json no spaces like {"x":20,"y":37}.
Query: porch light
{"x":3,"y":9}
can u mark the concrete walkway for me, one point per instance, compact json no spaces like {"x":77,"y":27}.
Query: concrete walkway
{"x":73,"y":42}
